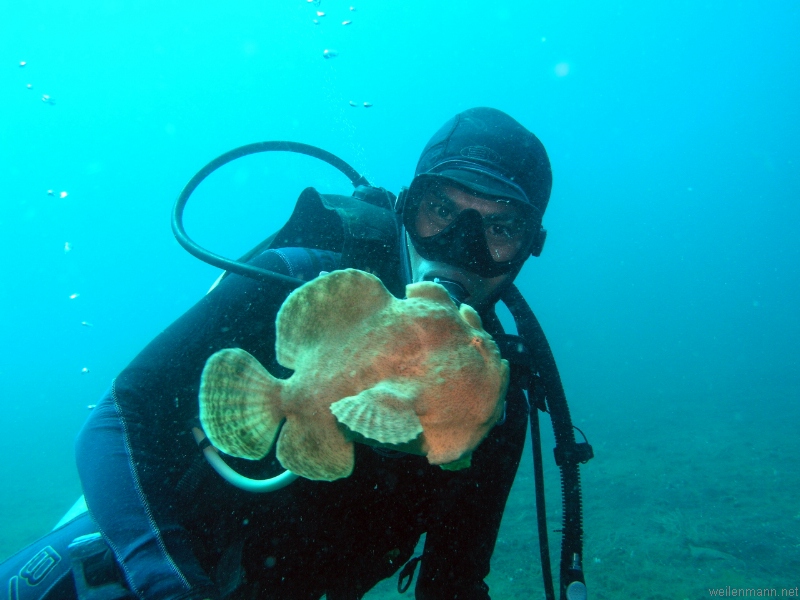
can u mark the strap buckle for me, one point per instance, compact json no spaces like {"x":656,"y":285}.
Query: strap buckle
{"x":576,"y":452}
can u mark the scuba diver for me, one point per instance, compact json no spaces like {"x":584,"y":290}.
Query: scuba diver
{"x":163,"y":523}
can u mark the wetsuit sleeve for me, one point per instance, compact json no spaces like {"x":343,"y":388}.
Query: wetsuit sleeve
{"x":136,"y":447}
{"x":461,"y":539}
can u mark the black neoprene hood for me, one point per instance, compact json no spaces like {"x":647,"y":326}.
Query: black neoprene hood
{"x":490,"y":153}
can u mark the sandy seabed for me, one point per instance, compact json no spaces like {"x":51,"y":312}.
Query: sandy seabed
{"x":676,"y":502}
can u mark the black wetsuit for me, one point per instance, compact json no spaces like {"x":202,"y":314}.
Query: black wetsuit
{"x":180,"y":531}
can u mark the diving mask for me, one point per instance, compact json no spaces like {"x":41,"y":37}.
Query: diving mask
{"x":484,"y":235}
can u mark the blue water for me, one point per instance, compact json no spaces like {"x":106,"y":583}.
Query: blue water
{"x":669,"y":285}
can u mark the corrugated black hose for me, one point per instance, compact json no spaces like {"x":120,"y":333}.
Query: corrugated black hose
{"x":568,"y":453}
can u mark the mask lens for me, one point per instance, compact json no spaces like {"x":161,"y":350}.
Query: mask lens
{"x":504,"y":230}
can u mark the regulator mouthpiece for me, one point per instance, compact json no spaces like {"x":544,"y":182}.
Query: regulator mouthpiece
{"x":455,"y":289}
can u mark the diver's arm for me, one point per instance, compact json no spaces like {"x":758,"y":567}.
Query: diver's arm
{"x":459,"y":544}
{"x":152,"y":548}
{"x":136,"y":447}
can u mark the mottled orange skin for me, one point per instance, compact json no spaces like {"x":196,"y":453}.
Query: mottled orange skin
{"x":416,"y":374}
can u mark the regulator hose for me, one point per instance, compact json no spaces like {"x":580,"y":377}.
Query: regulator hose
{"x":234,"y":266}
{"x":568,"y":453}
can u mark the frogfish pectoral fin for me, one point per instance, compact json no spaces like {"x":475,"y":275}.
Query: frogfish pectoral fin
{"x":384,"y":413}
{"x":315,"y":450}
{"x":239,"y":404}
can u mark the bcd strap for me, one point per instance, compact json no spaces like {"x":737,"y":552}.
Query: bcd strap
{"x":514,"y":349}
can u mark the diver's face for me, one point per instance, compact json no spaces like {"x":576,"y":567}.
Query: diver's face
{"x":480,"y":289}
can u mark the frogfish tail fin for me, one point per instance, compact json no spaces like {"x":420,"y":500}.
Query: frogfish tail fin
{"x":239,"y":404}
